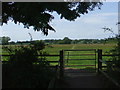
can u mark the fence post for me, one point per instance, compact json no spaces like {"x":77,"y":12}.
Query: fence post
{"x":61,"y":64}
{"x":99,"y":58}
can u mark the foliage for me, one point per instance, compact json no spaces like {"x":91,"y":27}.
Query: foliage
{"x":40,"y":18}
{"x":113,"y":67}
{"x":25,"y":70}
{"x":38,"y":45}
{"x":116,"y":51}
{"x":4,"y":40}
{"x":66,"y":40}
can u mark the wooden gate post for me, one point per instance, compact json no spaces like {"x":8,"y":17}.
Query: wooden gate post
{"x":99,"y":58}
{"x":61,"y":64}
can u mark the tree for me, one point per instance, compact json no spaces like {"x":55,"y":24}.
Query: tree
{"x":38,"y":14}
{"x":4,"y":40}
{"x":12,"y":42}
{"x":66,"y":40}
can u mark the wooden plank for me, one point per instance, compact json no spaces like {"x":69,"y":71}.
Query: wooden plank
{"x":110,"y":55}
{"x":49,"y":55}
{"x":39,"y":61}
{"x":53,"y":66}
{"x":61,"y":64}
{"x":79,"y":59}
{"x":99,"y":58}
{"x":53,"y":61}
{"x":81,"y":55}
{"x":104,"y":66}
{"x":79,"y":65}
{"x":4,"y":62}
{"x":80,"y":50}
{"x":6,"y":55}
{"x":105,"y":62}
{"x":37,"y":55}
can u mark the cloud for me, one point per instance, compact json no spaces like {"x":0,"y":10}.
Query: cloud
{"x":100,"y":18}
{"x":111,"y":0}
{"x":93,"y":20}
{"x":106,"y":14}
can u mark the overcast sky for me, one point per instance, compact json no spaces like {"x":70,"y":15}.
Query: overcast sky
{"x":88,"y":26}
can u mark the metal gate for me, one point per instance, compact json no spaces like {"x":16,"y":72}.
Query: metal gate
{"x":83,"y":60}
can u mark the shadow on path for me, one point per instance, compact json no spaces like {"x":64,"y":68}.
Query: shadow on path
{"x":81,"y":80}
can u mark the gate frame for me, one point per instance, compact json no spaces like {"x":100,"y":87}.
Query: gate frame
{"x":62,"y":59}
{"x":61,"y":64}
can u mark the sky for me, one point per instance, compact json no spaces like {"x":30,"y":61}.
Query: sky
{"x":88,"y":26}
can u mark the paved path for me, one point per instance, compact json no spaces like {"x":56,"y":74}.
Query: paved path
{"x":81,"y":80}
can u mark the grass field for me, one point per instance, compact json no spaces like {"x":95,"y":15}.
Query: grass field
{"x":55,"y":49}
{"x":70,"y":54}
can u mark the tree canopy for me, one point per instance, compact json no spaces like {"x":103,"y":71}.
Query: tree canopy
{"x":39,"y":14}
{"x":4,"y":40}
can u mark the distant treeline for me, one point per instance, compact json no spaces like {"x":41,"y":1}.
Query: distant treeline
{"x":66,"y":40}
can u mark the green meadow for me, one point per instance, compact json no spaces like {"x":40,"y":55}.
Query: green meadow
{"x":73,"y":58}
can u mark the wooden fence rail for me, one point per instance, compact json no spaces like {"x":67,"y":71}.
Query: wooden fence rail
{"x":36,"y":55}
{"x":60,"y":61}
{"x":58,"y":68}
